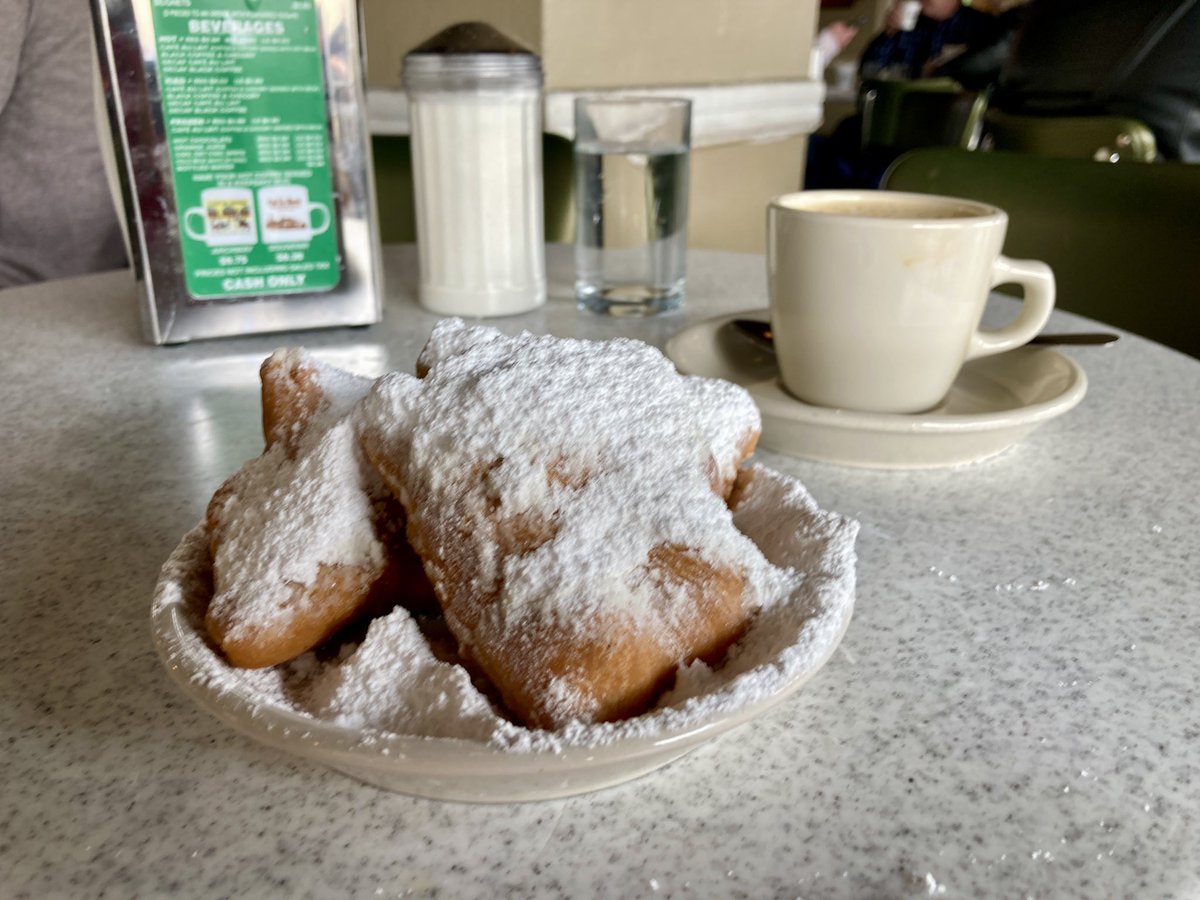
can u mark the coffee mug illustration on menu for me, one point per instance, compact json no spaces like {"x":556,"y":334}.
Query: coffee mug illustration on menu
{"x":876,"y":296}
{"x":226,"y":217}
{"x":287,"y":216}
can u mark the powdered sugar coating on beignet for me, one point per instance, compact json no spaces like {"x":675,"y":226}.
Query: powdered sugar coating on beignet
{"x":295,"y":548}
{"x":299,"y":391}
{"x":306,"y":537}
{"x":561,"y":494}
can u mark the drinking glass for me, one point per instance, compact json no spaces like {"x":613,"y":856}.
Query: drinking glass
{"x":631,"y":198}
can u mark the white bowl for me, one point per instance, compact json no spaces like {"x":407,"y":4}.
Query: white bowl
{"x":778,"y":514}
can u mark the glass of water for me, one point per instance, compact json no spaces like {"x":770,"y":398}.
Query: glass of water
{"x":631,"y":202}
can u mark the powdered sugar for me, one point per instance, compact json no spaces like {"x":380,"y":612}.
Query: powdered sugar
{"x":573,"y":483}
{"x":334,"y":702}
{"x":394,"y":684}
{"x":334,"y":392}
{"x":284,"y":517}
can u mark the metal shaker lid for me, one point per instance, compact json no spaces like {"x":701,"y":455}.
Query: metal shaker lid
{"x":470,"y":56}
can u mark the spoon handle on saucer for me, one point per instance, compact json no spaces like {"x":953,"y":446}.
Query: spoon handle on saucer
{"x":760,"y":334}
{"x":1080,"y":339}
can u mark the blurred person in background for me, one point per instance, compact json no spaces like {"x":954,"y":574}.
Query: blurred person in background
{"x":832,"y":40}
{"x":948,"y":40}
{"x":1137,"y":58}
{"x":56,"y":213}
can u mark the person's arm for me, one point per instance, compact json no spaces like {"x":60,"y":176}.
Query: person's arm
{"x":832,"y":40}
{"x":978,"y":70}
{"x":879,"y":54}
{"x":974,"y":49}
{"x":15,"y":16}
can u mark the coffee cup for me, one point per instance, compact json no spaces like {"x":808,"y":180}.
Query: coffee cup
{"x":287,"y":216}
{"x":876,"y":296}
{"x":910,"y":11}
{"x":226,"y":217}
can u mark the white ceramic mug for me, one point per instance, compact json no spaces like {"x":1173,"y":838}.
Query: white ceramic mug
{"x":287,"y":216}
{"x":876,"y":296}
{"x":226,"y":217}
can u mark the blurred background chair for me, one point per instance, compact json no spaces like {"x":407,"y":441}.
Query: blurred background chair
{"x":894,"y":116}
{"x":394,"y":188}
{"x":1102,"y":138}
{"x":901,"y":115}
{"x":1124,"y":241}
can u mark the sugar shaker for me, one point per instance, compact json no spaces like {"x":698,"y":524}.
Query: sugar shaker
{"x":476,"y":129}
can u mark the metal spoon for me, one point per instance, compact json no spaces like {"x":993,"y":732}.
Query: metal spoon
{"x":760,"y":334}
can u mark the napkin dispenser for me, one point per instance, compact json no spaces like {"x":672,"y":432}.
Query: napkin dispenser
{"x":240,"y":157}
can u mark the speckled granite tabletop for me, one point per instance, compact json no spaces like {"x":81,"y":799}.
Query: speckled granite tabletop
{"x":1011,"y":714}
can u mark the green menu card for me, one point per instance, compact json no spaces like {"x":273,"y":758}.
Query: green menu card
{"x":243,"y":99}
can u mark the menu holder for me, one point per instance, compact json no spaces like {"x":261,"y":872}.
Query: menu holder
{"x":241,"y":162}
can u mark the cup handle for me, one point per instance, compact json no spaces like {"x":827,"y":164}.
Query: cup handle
{"x":324,"y":211}
{"x":1038,"y":281}
{"x":187,"y":223}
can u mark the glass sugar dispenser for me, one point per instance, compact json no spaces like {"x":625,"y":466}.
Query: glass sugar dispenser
{"x":475,"y":114}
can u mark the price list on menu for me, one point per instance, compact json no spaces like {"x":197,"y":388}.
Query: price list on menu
{"x":243,"y":98}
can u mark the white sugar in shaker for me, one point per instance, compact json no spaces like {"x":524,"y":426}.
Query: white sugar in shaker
{"x":476,"y":123}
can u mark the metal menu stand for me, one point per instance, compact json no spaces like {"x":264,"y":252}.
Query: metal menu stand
{"x":242,"y":162}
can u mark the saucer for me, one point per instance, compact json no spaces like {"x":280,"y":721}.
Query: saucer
{"x":995,"y":402}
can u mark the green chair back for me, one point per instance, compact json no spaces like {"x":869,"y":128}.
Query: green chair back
{"x":397,"y":207}
{"x":926,"y":112}
{"x":1124,"y":241}
{"x":1102,"y":138}
{"x":394,"y":188}
{"x":558,"y":187}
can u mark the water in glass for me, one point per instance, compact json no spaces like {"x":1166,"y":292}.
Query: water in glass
{"x":631,"y":245}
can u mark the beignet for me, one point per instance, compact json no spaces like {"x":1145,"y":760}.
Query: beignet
{"x":306,"y":537}
{"x":298,"y":390}
{"x":568,"y":501}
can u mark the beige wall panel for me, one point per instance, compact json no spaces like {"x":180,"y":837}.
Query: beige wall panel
{"x":618,"y":43}
{"x":731,"y":186}
{"x":393,"y":27}
{"x":614,"y":43}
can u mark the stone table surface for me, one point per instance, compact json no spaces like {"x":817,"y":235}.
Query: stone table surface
{"x":1012,"y":712}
